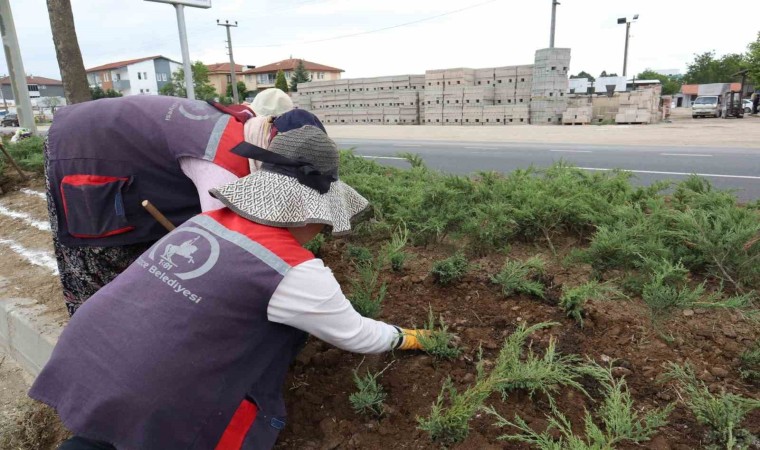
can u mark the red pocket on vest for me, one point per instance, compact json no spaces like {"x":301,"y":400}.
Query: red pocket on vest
{"x":94,"y":205}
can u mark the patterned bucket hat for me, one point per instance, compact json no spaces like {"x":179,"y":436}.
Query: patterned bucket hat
{"x":297,"y":185}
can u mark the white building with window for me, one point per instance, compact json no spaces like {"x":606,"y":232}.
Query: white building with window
{"x":142,"y":76}
{"x":264,"y":77}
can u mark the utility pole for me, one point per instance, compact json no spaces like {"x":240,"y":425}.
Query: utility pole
{"x":16,"y":68}
{"x":555,"y":3}
{"x":189,"y":86}
{"x":625,"y":57}
{"x":233,"y":78}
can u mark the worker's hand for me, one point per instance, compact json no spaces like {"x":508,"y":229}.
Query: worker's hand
{"x":410,"y":339}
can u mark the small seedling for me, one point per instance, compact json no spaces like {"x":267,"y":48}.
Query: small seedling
{"x":518,"y":277}
{"x":620,"y":422}
{"x":315,"y":245}
{"x":439,"y":342}
{"x":573,"y":300}
{"x":750,"y":363}
{"x":723,"y":413}
{"x":369,"y":397}
{"x":393,"y":251}
{"x":366,"y":296}
{"x":667,"y":290}
{"x":359,"y":255}
{"x":450,"y":270}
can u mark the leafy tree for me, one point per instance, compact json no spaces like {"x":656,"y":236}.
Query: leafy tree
{"x":242,"y":90}
{"x":671,"y":85}
{"x":583,"y":74}
{"x":280,"y":82}
{"x":300,"y":75}
{"x":203,"y":88}
{"x":97,"y":92}
{"x":605,"y":74}
{"x":753,"y":61}
{"x":707,"y":68}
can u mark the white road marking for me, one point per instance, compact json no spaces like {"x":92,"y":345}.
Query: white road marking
{"x":383,"y":157}
{"x":34,"y":193}
{"x":571,"y":151}
{"x":484,"y":148}
{"x":36,"y":257}
{"x":407,"y":145}
{"x":686,"y":154}
{"x":655,"y":172}
{"x":42,"y":226}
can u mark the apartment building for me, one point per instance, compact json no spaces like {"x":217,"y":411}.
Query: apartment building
{"x":142,"y":76}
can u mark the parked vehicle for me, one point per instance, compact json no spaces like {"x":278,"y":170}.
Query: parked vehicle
{"x":747,"y":103}
{"x":10,"y":120}
{"x":709,"y":105}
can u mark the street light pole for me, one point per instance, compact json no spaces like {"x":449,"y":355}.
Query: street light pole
{"x":16,"y":68}
{"x":625,"y":56}
{"x":189,"y":86}
{"x":554,"y":22}
{"x":233,"y":78}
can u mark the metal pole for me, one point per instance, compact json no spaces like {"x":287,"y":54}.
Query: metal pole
{"x":16,"y":68}
{"x":554,"y":22}
{"x":625,"y":57}
{"x":233,"y":78}
{"x":189,"y":87}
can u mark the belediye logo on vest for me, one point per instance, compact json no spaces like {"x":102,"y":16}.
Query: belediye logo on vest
{"x":183,"y":255}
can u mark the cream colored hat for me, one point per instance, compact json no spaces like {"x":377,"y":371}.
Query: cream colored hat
{"x":271,"y":102}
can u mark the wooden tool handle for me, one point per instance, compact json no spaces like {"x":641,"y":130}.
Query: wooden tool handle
{"x":160,"y":218}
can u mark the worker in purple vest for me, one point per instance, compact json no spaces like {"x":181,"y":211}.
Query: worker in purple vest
{"x":190,"y":346}
{"x":103,"y":158}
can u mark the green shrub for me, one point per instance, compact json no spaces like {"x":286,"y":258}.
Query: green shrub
{"x":359,"y":255}
{"x":369,"y":397}
{"x":667,"y":290}
{"x":620,"y":421}
{"x":366,"y":296}
{"x":519,"y":277}
{"x":28,"y":153}
{"x":450,"y":270}
{"x":439,"y":342}
{"x":452,"y":411}
{"x":573,"y":300}
{"x":750,"y":363}
{"x":315,"y":245}
{"x":722,"y":413}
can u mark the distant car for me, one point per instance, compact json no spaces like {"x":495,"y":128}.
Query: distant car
{"x":747,"y":103}
{"x":708,"y":105}
{"x":10,"y":120}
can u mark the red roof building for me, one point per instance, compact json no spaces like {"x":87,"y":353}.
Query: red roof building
{"x":264,"y":76}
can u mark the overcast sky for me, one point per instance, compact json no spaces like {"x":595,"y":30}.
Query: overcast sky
{"x":495,"y":33}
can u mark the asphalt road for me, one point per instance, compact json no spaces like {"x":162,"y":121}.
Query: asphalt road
{"x":726,"y":168}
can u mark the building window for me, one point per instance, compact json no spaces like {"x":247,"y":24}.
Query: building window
{"x":118,"y":77}
{"x":320,"y":75}
{"x":145,"y":75}
{"x":229,"y":78}
{"x":141,"y":91}
{"x":33,"y":88}
{"x":139,"y":76}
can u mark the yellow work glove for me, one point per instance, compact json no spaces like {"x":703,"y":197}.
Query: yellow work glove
{"x":409,"y":339}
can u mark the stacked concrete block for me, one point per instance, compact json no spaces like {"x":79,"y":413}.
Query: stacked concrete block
{"x":504,"y":95}
{"x":485,"y":77}
{"x":472,"y":115}
{"x":453,"y":96}
{"x":417,"y":82}
{"x":518,"y":115}
{"x":433,"y":97}
{"x":495,"y":115}
{"x":549,"y":85}
{"x":434,"y":79}
{"x":478,"y":95}
{"x":580,"y":115}
{"x":639,"y":106}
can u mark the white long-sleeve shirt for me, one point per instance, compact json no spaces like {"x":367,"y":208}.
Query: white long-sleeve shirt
{"x":308,"y":297}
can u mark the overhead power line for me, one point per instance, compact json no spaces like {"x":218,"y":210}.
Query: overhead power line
{"x":361,"y":33}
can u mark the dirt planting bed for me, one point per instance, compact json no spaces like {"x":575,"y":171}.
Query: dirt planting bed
{"x":320,"y":382}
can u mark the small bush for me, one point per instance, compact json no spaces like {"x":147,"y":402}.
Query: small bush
{"x":519,"y":277}
{"x":573,"y":300}
{"x":450,"y":416}
{"x":366,"y":296}
{"x":723,"y":413}
{"x":393,"y":251}
{"x":450,"y":270}
{"x":620,"y":422}
{"x":315,"y":245}
{"x":28,"y":153}
{"x":667,"y":291}
{"x":750,"y":363}
{"x":359,"y":255}
{"x":439,"y":342}
{"x":369,"y":397}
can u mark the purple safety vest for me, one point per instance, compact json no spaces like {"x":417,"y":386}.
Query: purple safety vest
{"x":161,"y":357}
{"x":106,"y":156}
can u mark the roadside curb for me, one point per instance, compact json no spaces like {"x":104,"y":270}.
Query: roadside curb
{"x":24,"y":333}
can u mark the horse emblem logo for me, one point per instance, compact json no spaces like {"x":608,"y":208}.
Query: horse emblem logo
{"x":199,"y":251}
{"x":185,"y":250}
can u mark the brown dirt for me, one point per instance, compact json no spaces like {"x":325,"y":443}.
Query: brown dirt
{"x":320,"y":416}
